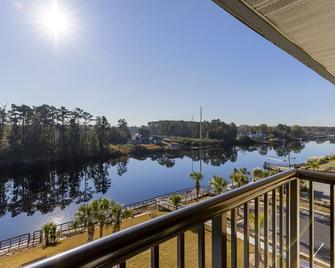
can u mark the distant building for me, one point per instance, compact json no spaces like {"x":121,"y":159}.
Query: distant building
{"x":139,"y":139}
{"x":257,"y":135}
{"x":155,"y":140}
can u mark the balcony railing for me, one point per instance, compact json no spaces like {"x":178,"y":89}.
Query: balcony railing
{"x":276,"y":243}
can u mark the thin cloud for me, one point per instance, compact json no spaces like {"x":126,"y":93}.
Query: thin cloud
{"x":18,"y":5}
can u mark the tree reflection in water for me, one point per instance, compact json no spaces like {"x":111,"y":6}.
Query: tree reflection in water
{"x":44,"y":188}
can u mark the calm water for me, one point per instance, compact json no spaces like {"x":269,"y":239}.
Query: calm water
{"x":31,"y":197}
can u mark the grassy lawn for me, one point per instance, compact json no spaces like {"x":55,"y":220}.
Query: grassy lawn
{"x":328,"y":167}
{"x":27,"y":255}
{"x":122,"y":149}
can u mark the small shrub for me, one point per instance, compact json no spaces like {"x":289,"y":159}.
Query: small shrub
{"x":50,"y":234}
{"x":322,"y":161}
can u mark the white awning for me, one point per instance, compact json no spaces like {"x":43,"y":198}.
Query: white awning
{"x":303,"y":28}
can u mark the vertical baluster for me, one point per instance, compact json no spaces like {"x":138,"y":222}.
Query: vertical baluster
{"x":181,"y":251}
{"x":295,"y":224}
{"x":281,"y":227}
{"x":274,"y":228}
{"x":122,"y":265}
{"x":234,"y":238}
{"x":155,"y":257}
{"x":41,"y":236}
{"x":201,"y":246}
{"x":219,"y":241}
{"x":311,"y":223}
{"x":28,"y":240}
{"x":332,"y":227}
{"x":257,"y":234}
{"x":246,"y":235}
{"x":288,"y":222}
{"x":266,"y":230}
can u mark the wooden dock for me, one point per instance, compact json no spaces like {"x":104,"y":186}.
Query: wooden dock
{"x":280,"y":166}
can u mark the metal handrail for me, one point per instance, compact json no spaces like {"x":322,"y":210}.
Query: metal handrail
{"x":317,"y":176}
{"x":116,"y":248}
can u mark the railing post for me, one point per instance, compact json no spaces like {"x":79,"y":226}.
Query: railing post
{"x":201,"y":246}
{"x":288,"y":222}
{"x":257,"y":234}
{"x":274,"y":228}
{"x":332,"y":226}
{"x":155,"y":257}
{"x":28,"y":240}
{"x":294,"y":224}
{"x":41,"y":236}
{"x":181,"y":250}
{"x":311,"y":223}
{"x":233,"y":223}
{"x":219,"y":241}
{"x":246,"y":235}
{"x":281,"y":227}
{"x":266,"y":230}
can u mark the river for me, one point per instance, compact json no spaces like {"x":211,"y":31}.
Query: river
{"x":30,"y":197}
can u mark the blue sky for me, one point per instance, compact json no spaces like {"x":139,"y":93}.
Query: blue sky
{"x":147,"y":60}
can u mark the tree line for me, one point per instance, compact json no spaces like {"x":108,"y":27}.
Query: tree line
{"x":228,"y":133}
{"x":280,"y":131}
{"x":214,"y":129}
{"x":49,"y":133}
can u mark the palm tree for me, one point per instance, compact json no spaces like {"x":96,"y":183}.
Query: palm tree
{"x":313,"y":164}
{"x":197,"y":177}
{"x":257,"y":173}
{"x":102,"y":208}
{"x":218,"y":184}
{"x":50,"y":233}
{"x":86,"y":217}
{"x":234,"y":177}
{"x":118,"y":213}
{"x":175,"y":200}
{"x":240,"y":177}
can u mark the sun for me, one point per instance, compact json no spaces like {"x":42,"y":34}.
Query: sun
{"x":55,"y":21}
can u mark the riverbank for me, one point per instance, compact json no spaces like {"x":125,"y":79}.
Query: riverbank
{"x":115,"y":151}
{"x":111,"y":152}
{"x":172,"y":145}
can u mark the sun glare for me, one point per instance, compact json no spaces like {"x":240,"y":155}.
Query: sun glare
{"x":55,"y":21}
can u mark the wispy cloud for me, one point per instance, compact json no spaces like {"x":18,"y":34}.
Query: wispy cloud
{"x":18,"y":4}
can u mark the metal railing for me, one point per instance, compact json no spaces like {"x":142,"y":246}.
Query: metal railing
{"x":30,"y":240}
{"x":17,"y":242}
{"x":67,"y":228}
{"x":276,"y":197}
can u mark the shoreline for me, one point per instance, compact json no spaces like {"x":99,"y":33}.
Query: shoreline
{"x":115,"y":151}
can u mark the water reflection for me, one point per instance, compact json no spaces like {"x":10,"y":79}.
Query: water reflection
{"x":44,"y":188}
{"x":31,"y":189}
